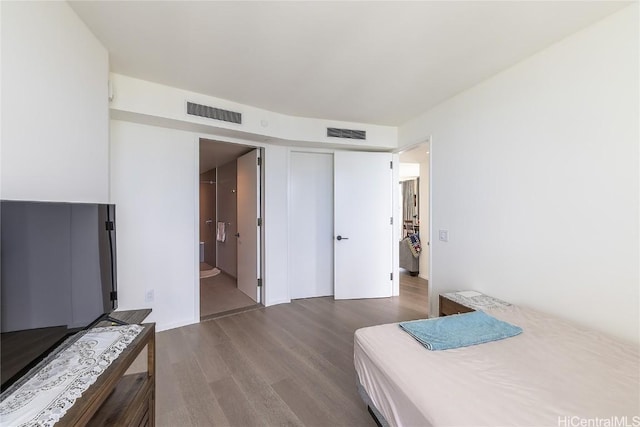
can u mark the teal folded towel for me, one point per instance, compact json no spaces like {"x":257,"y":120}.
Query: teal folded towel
{"x":461,"y":330}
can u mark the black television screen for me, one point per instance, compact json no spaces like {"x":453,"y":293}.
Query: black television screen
{"x":58,"y":276}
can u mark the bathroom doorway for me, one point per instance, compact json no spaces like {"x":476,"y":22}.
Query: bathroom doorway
{"x":228,"y":202}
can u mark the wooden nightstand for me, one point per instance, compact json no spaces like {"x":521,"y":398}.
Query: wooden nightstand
{"x":449,"y":307}
{"x":466,"y":301}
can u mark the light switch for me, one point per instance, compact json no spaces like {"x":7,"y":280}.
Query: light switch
{"x":443,"y":235}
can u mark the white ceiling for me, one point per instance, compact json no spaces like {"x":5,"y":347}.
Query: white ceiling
{"x":216,"y":153}
{"x":371,"y":62}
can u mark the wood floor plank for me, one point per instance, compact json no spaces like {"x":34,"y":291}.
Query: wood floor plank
{"x":312,"y":333}
{"x":310,"y":411}
{"x":206,"y":411}
{"x":246,"y":341}
{"x":177,"y":416}
{"x":172,"y":344}
{"x":215,"y":331}
{"x":325,"y":381}
{"x":290,"y":364}
{"x":190,"y":379}
{"x":257,"y":391}
{"x":168,"y":396}
{"x":237,"y":409}
{"x":329,"y":384}
{"x":212,"y":366}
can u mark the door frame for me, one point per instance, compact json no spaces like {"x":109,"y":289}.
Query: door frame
{"x":196,"y":222}
{"x":396,"y":198}
{"x":261,"y":212}
{"x":251,"y":165}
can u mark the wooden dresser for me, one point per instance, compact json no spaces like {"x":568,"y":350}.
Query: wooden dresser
{"x":120,"y":397}
{"x":123,"y":394}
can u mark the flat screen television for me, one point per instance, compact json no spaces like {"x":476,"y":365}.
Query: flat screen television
{"x":58,"y":277}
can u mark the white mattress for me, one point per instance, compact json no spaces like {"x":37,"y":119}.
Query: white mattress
{"x":553,"y":374}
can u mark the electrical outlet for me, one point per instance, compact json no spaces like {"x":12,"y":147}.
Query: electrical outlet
{"x":149,"y":296}
{"x":443,"y":235}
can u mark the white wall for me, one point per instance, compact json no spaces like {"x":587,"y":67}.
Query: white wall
{"x":139,"y":97}
{"x":154,"y":186}
{"x":162,"y":106}
{"x":535,"y":175}
{"x":55,"y":114}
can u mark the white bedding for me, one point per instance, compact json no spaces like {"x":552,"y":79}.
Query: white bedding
{"x":553,"y":374}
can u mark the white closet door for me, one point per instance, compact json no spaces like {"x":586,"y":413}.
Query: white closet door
{"x":311,"y":225}
{"x":362,"y":225}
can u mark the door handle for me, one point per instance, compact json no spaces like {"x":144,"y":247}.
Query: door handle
{"x":341,"y":238}
{"x":237,"y":234}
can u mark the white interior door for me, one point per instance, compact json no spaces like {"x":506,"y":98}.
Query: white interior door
{"x":363,"y":230}
{"x":248,"y":197}
{"x":310,"y":225}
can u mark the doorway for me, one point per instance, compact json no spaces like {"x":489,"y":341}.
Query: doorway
{"x":413,"y":210}
{"x":230,"y":205}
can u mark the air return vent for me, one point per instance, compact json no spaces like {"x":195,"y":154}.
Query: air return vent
{"x":347,"y":133}
{"x":213,"y":113}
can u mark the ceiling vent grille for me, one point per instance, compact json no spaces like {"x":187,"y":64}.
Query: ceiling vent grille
{"x":213,"y":113}
{"x":347,"y":133}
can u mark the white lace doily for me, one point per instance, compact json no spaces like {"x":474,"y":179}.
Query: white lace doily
{"x":476,"y":300}
{"x":52,"y":388}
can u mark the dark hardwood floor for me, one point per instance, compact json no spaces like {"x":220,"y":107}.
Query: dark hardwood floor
{"x":290,"y":364}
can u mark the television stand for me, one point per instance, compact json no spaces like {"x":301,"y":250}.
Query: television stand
{"x":121,"y":395}
{"x":112,"y":320}
{"x":126,"y":317}
{"x":118,"y":397}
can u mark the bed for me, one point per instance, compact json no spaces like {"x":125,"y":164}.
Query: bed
{"x":553,"y":374}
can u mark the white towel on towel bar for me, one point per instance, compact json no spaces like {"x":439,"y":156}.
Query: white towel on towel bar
{"x":221,"y":234}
